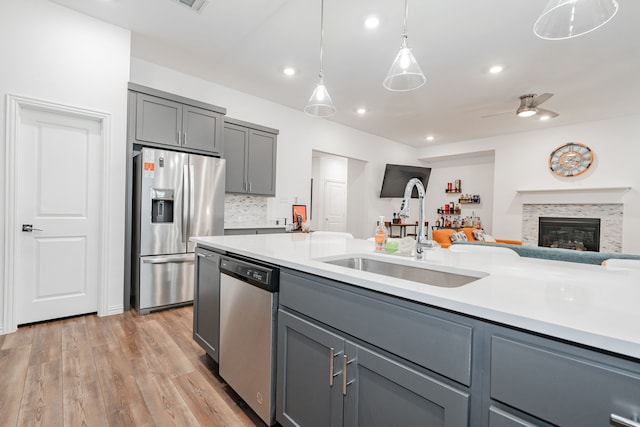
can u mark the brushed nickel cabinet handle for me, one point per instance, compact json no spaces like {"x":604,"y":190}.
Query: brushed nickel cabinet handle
{"x":622,"y":421}
{"x":331,"y":356}
{"x":344,"y":375}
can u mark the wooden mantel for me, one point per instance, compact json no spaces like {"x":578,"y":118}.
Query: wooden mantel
{"x":576,"y":189}
{"x":572,"y":195}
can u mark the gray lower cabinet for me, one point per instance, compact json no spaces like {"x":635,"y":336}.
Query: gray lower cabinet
{"x":206,"y":301}
{"x":560,"y":384}
{"x":329,"y":380}
{"x":167,"y":122}
{"x":251,"y":158}
{"x":352,"y":357}
{"x":309,"y":374}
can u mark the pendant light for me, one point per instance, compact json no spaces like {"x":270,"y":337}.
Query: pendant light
{"x":405,"y":73}
{"x":320,"y":104}
{"x":564,"y":19}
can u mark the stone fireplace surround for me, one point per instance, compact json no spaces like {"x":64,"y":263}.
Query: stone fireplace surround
{"x":610,"y":215}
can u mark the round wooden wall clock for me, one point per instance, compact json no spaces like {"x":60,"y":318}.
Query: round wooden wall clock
{"x":570,"y":159}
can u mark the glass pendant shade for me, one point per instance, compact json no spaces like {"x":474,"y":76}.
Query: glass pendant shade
{"x":320,"y":104}
{"x":564,"y":19}
{"x":405,"y":73}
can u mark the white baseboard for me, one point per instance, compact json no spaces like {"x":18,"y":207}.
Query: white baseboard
{"x":115,"y":309}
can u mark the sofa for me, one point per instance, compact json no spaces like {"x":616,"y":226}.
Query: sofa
{"x":558,"y":254}
{"x":466,"y":234}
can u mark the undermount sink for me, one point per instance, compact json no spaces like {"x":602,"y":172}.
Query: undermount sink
{"x":424,"y":275}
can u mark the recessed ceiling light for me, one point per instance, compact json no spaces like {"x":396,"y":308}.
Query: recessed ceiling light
{"x":430,"y":138}
{"x":361,"y":111}
{"x":545,"y":117}
{"x":496,"y":69}
{"x":371,"y":22}
{"x":289,"y":71}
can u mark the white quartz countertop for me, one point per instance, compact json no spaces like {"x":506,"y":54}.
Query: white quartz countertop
{"x":582,"y":303}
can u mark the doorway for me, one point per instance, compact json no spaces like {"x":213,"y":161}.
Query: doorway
{"x":56,"y":234}
{"x":338,"y":194}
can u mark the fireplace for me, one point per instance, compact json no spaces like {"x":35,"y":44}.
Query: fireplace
{"x":582,"y":234}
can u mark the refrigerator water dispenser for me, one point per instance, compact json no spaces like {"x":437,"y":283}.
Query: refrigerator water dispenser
{"x":161,"y":205}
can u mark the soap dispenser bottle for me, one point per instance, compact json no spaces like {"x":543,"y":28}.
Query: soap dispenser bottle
{"x":381,"y":235}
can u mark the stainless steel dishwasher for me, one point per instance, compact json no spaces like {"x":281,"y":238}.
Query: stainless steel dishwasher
{"x":248,"y":307}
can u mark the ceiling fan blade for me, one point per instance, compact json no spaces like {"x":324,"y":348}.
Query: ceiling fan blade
{"x":496,"y":114}
{"x":541,"y":98}
{"x":543,"y":112}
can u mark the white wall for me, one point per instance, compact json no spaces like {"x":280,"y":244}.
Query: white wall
{"x":476,"y":175}
{"x":51,"y":53}
{"x":521,"y":162}
{"x":356,"y":207}
{"x":299,"y":136}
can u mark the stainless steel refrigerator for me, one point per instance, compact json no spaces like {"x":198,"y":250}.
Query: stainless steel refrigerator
{"x":175,"y":196}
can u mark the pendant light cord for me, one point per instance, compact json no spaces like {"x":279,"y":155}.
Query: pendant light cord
{"x":321,"y":35}
{"x":406,"y":13}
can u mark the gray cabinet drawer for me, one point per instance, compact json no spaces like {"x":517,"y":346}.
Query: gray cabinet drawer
{"x":437,"y":344}
{"x":561,"y":388}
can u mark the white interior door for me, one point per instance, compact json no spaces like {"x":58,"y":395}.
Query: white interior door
{"x":59,"y":184}
{"x":335,"y":206}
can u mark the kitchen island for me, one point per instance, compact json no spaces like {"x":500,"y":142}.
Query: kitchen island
{"x":527,"y":342}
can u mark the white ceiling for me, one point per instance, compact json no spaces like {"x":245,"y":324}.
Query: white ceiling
{"x":244,"y":44}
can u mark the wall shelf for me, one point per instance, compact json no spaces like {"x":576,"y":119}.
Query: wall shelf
{"x":442,"y":212}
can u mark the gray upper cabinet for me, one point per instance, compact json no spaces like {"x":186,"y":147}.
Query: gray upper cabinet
{"x":170,"y":120}
{"x":250,"y":151}
{"x":158,"y":120}
{"x":201,"y":129}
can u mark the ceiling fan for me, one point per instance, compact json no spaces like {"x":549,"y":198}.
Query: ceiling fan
{"x":529,"y":107}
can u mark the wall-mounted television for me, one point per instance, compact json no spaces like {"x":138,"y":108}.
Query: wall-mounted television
{"x":396,"y":178}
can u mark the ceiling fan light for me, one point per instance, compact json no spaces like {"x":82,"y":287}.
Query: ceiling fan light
{"x":526,"y":113}
{"x":564,"y":19}
{"x":320,"y":104}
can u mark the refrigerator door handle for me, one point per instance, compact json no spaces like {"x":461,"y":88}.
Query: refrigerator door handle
{"x":192,"y":197}
{"x":186,"y":186}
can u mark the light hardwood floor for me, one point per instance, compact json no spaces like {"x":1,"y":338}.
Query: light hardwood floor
{"x":121,"y":370}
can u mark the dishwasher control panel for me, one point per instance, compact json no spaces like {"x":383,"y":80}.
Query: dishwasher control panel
{"x":258,"y":275}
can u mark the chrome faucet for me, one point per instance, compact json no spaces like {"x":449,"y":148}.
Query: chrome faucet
{"x":421,"y":239}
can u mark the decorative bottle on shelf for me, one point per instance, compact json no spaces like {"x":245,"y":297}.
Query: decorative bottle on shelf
{"x":380,"y":235}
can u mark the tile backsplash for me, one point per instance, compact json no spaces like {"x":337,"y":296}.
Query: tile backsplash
{"x":242,"y":209}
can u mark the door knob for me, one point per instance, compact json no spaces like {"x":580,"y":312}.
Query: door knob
{"x":28,"y":228}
